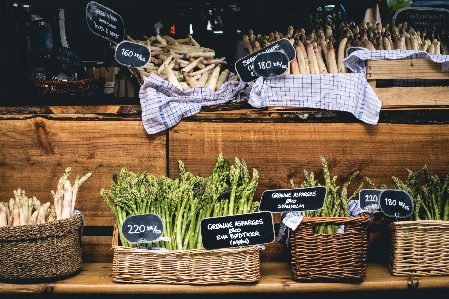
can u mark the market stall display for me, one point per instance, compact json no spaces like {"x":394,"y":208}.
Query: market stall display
{"x":41,"y":241}
{"x":328,"y":244}
{"x":182,"y":204}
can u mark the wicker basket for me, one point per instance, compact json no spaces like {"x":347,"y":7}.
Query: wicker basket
{"x":419,"y":248}
{"x":42,"y":251}
{"x":197,"y":266}
{"x":339,"y":256}
{"x":70,"y":88}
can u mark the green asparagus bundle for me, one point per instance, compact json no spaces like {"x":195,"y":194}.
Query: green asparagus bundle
{"x":430,"y":198}
{"x":335,"y":204}
{"x":182,"y":202}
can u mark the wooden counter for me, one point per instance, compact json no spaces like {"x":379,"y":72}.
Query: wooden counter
{"x":38,"y":143}
{"x":275,"y":278}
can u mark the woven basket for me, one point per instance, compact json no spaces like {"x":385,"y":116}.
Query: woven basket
{"x":419,"y":248}
{"x":339,"y":256}
{"x":69,"y":88}
{"x":41,"y":251}
{"x":197,"y":266}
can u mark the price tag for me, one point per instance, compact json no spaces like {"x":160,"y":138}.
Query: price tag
{"x":238,"y":230}
{"x":105,"y":22}
{"x":64,"y":60}
{"x":244,"y":66}
{"x":132,"y":54}
{"x":445,"y":66}
{"x":396,"y":203}
{"x":300,"y":199}
{"x":142,"y":228}
{"x":270,"y":64}
{"x":369,"y":199}
{"x":422,"y":17}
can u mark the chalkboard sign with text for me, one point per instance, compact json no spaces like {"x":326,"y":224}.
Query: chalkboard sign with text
{"x":64,"y":60}
{"x":244,"y":66}
{"x":422,"y":17}
{"x":396,"y":203}
{"x":142,"y":228}
{"x":300,"y":199}
{"x":132,"y":54}
{"x":270,"y":64}
{"x":104,"y":22}
{"x":238,"y":230}
{"x":369,"y":199}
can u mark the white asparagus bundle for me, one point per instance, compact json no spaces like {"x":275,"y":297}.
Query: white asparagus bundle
{"x":24,"y":210}
{"x":187,"y":60}
{"x":329,"y":50}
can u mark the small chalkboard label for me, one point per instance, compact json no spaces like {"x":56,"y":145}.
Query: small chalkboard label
{"x":270,"y":64}
{"x":422,"y":17}
{"x":104,"y":22}
{"x":142,"y":228}
{"x":238,"y":230}
{"x":132,"y":54}
{"x":244,"y":66}
{"x":369,"y":199}
{"x":299,"y":199}
{"x":64,"y":60}
{"x":396,"y":203}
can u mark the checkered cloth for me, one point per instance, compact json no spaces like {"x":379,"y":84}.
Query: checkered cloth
{"x":164,"y":105}
{"x":356,"y":61}
{"x":342,"y":92}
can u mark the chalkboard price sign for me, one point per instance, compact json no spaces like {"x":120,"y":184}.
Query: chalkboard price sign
{"x":238,"y":230}
{"x":299,"y":199}
{"x":132,"y":54}
{"x":105,"y":22}
{"x":270,"y":64}
{"x":369,"y":199}
{"x":396,"y":203}
{"x":64,"y":60}
{"x":422,"y":17}
{"x":142,"y":228}
{"x":244,"y":66}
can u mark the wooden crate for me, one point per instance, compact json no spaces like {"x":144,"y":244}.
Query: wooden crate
{"x":408,"y":69}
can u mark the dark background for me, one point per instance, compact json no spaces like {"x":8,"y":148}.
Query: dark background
{"x":20,"y":51}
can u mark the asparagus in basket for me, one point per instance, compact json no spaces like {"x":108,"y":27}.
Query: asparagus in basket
{"x":182,"y":202}
{"x":24,"y":210}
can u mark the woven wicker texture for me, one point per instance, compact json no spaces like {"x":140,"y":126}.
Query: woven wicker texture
{"x":41,"y":251}
{"x":70,"y":88}
{"x":336,"y":256}
{"x":197,"y":266}
{"x":419,"y":248}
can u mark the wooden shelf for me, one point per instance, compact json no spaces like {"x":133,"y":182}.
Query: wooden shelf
{"x":96,"y":278}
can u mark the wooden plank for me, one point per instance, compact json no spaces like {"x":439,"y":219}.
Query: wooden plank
{"x":275,"y":278}
{"x":97,"y":249}
{"x":413,"y":96}
{"x":282,"y":151}
{"x":36,"y":151}
{"x":405,"y":69}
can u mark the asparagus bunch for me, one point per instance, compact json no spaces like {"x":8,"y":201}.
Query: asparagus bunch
{"x":24,"y":210}
{"x":335,"y":204}
{"x":430,"y":198}
{"x":182,"y":202}
{"x":183,"y":62}
{"x":323,"y":50}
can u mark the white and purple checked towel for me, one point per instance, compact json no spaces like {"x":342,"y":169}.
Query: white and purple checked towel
{"x":164,"y":105}
{"x":356,"y":61}
{"x":342,"y":92}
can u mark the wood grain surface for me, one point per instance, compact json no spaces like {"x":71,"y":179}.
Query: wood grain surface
{"x":282,"y":151}
{"x":404,"y":69}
